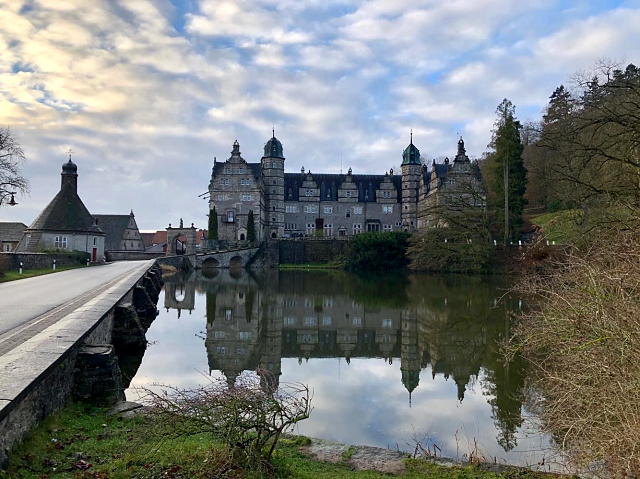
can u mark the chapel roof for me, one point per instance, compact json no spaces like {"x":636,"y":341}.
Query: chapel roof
{"x":66,"y":212}
{"x":114,"y":227}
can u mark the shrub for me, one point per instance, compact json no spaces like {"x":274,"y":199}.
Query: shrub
{"x":377,"y":251}
{"x":250,"y":415}
{"x":442,"y":250}
{"x":582,"y":339}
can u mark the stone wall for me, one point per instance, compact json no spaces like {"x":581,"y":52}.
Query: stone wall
{"x":132,"y":255}
{"x":11,"y":261}
{"x":309,"y":250}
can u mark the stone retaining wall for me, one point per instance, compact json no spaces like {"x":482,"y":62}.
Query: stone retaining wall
{"x":41,"y":374}
{"x":11,"y":261}
{"x":132,"y":255}
{"x":307,"y":250}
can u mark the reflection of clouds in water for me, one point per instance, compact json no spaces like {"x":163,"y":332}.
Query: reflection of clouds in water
{"x":364,"y":402}
{"x":369,"y":405}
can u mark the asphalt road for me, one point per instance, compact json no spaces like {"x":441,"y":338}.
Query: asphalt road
{"x":26,"y":299}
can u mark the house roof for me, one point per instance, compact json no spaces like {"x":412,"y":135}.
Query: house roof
{"x":11,"y":232}
{"x":147,"y":239}
{"x":66,"y":212}
{"x":114,"y":227}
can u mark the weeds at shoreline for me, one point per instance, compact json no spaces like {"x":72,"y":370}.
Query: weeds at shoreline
{"x":582,"y":340}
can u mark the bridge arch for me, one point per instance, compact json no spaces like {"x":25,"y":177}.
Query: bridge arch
{"x":236,"y":262}
{"x":210,"y":263}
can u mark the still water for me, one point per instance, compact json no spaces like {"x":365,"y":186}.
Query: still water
{"x":389,"y":358}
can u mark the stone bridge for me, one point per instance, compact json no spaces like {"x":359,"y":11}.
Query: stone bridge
{"x":232,"y":258}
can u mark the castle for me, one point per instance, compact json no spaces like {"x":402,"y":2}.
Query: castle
{"x":301,"y":204}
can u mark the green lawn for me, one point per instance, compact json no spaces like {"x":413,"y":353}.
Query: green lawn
{"x":30,"y":273}
{"x":82,"y":441}
{"x":560,"y":226}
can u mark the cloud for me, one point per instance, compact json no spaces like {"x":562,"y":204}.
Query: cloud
{"x":147,"y":93}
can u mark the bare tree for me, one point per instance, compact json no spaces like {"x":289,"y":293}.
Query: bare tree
{"x":11,"y":160}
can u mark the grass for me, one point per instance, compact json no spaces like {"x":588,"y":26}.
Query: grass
{"x":30,"y":273}
{"x":82,"y":441}
{"x":560,"y":226}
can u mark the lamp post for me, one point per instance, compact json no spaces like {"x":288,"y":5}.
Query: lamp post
{"x":12,"y":201}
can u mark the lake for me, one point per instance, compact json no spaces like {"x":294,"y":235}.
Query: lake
{"x":391,"y":358}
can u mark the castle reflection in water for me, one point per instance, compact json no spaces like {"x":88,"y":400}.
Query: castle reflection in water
{"x":451,"y":325}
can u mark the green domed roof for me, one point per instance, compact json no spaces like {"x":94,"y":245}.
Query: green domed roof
{"x":273,"y":148}
{"x":411,"y":154}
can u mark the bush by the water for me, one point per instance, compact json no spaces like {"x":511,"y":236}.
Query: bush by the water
{"x":249,"y":415}
{"x":444,"y":250}
{"x":377,"y":251}
{"x":582,"y":339}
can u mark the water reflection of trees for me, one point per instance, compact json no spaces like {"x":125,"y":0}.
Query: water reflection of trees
{"x":450,"y":325}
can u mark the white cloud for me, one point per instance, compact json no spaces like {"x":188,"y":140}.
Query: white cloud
{"x":147,"y":104}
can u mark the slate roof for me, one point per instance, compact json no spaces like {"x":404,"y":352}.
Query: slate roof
{"x":330,"y":183}
{"x":11,"y":232}
{"x":66,"y":212}
{"x":114,"y":227}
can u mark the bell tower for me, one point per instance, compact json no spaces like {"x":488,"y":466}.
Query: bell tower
{"x":411,"y":168}
{"x":273,"y":184}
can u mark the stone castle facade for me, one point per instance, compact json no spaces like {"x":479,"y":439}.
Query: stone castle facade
{"x":303,"y":204}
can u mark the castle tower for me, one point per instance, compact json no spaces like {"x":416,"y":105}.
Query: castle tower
{"x":273,"y":183}
{"x":411,"y":168}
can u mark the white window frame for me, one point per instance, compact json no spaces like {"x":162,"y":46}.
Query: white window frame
{"x":387,"y":209}
{"x":328,"y":210}
{"x":357,"y":210}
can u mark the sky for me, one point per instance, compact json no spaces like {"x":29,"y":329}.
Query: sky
{"x":147,"y":93}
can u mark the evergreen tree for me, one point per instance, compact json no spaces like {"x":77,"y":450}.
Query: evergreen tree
{"x":251,"y":227}
{"x":509,"y":173}
{"x":213,"y":224}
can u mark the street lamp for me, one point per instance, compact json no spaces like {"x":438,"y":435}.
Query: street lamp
{"x":12,"y":201}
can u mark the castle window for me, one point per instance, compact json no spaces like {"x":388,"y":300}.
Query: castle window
{"x":328,"y":209}
{"x":386,"y":323}
{"x":228,"y":171}
{"x":230,"y":216}
{"x":290,"y":192}
{"x":220,"y":197}
{"x":348,"y":194}
{"x":357,"y":210}
{"x":95,"y":241}
{"x":241,"y":351}
{"x":310,"y":209}
{"x":291,"y":209}
{"x":273,"y":191}
{"x":289,"y":321}
{"x":241,"y":171}
{"x":246,"y":197}
{"x":387,"y":227}
{"x":326,"y":321}
{"x":273,"y":208}
{"x":357,"y":321}
{"x":228,"y":315}
{"x":357,"y":228}
{"x":387,"y":210}
{"x":348,"y":214}
{"x":243,"y":335}
{"x":309,"y":321}
{"x":221,"y":350}
{"x":308,"y":193}
{"x":274,"y":165}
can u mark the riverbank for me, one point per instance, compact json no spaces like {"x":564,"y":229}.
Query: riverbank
{"x":84,"y":441}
